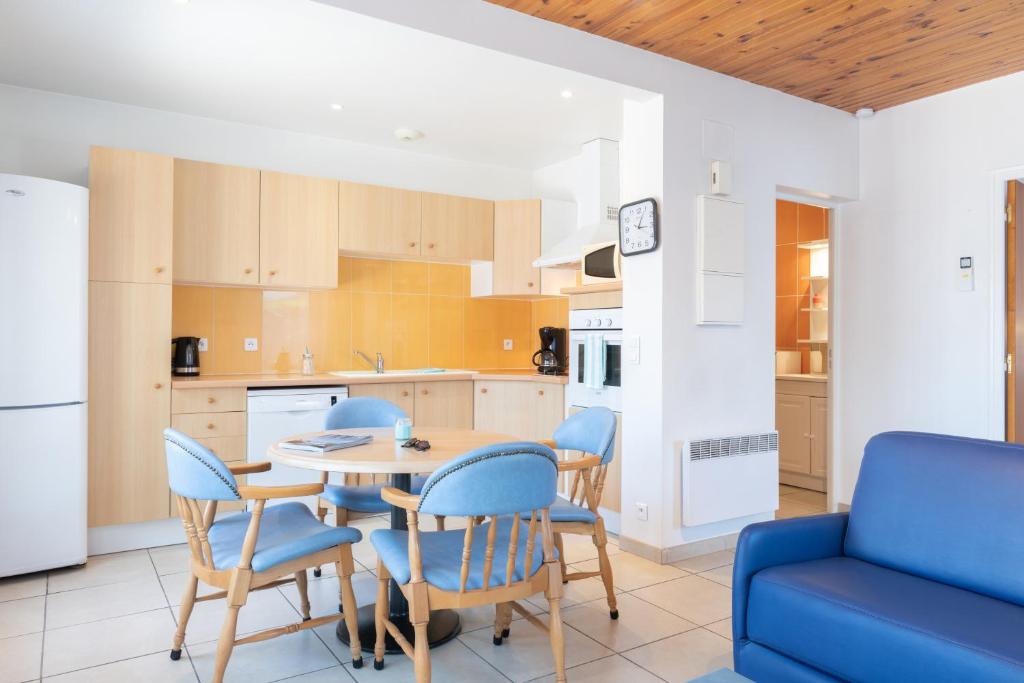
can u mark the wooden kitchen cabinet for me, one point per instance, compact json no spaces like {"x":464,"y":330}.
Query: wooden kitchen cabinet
{"x":524,"y":410}
{"x":216,"y":223}
{"x":402,"y":394}
{"x":298,"y":231}
{"x":129,"y":401}
{"x":819,"y":437}
{"x":458,"y":228}
{"x":793,"y":422}
{"x":444,"y":404}
{"x":801,"y":418}
{"x":378,"y":220}
{"x":131,"y":197}
{"x":516,"y":245}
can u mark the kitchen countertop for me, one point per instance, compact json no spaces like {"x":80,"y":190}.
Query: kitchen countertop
{"x":800,"y":377}
{"x":324,"y":379}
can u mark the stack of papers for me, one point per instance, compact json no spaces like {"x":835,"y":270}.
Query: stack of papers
{"x":327,"y":442}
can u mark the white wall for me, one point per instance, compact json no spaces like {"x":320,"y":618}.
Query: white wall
{"x":48,"y":135}
{"x":916,"y":352}
{"x":715,"y":381}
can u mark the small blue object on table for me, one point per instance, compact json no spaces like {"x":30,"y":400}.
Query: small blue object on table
{"x":721,"y":676}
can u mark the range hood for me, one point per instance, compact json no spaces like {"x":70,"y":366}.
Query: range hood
{"x":597,"y":204}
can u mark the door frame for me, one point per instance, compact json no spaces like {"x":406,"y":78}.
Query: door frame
{"x":997,"y":299}
{"x":834,"y":207}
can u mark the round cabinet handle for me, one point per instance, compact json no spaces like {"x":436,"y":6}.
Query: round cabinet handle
{"x":272,"y":273}
{"x":529,"y":284}
{"x":540,"y":393}
{"x":211,"y":399}
{"x":158,"y":269}
{"x":158,"y":386}
{"x":404,"y":394}
{"x":247,"y":271}
{"x":430,"y":246}
{"x":483,"y":391}
{"x":210,"y":425}
{"x":424,"y":392}
{"x":412,"y":244}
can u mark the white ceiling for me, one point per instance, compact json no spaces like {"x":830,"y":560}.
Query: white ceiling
{"x":282,"y":63}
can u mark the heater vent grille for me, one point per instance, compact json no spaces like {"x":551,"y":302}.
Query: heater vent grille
{"x":751,"y":444}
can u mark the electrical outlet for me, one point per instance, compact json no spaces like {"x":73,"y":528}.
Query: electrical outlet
{"x":507,"y":345}
{"x":251,"y":344}
{"x":641,"y":511}
{"x":204,"y":344}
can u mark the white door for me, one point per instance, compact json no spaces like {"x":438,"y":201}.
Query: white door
{"x":44,"y":487}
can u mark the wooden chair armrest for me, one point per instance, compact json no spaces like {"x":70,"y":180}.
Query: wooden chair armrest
{"x":267,"y":492}
{"x":400,"y":498}
{"x":249,"y":467}
{"x":550,"y":443}
{"x":584,"y":463}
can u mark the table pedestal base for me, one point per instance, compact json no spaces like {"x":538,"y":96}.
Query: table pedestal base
{"x":444,"y":625}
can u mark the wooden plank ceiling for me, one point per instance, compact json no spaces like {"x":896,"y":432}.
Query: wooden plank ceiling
{"x":846,"y":54}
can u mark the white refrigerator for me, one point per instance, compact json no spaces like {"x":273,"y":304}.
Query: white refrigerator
{"x":44,"y":240}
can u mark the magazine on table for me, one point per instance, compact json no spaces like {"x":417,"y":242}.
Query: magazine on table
{"x":326,"y":443}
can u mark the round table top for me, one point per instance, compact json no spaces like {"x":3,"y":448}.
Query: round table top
{"x":385,"y":455}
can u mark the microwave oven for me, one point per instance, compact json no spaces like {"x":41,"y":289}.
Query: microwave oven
{"x":601,"y":262}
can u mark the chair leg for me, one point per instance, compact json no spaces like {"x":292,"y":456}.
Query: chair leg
{"x":561,"y":556}
{"x":348,"y":605}
{"x":226,"y":643}
{"x":502,"y":611}
{"x":440,"y":522}
{"x":380,"y":615}
{"x":421,"y":652}
{"x":601,"y":541}
{"x":321,"y":514}
{"x":302,"y":583}
{"x":188,"y":600}
{"x":557,"y":638}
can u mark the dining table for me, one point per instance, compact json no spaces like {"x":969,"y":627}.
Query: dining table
{"x":385,"y":455}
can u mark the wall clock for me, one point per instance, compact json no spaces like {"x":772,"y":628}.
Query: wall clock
{"x":638,"y":227}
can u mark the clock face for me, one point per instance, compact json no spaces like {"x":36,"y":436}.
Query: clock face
{"x":638,"y":227}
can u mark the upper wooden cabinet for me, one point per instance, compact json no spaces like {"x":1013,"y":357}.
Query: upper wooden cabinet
{"x":459,"y":228}
{"x":216,"y":223}
{"x":298,"y":231}
{"x":131,"y":197}
{"x":516,"y":245}
{"x":129,"y":401}
{"x":378,"y":220}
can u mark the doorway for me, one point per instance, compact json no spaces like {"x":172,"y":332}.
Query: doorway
{"x":802,"y":298}
{"x":1013,"y":216}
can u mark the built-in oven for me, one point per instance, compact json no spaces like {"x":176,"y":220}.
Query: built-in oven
{"x":595,"y":358}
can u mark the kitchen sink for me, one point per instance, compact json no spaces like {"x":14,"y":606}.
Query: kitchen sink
{"x":397,"y":373}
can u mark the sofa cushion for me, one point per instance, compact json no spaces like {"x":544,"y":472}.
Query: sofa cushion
{"x":862,"y":622}
{"x":942,"y":507}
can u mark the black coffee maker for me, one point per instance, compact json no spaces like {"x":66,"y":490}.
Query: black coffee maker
{"x":551,"y":359}
{"x":185,"y":361}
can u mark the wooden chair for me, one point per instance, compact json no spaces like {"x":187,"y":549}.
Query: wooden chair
{"x":591,"y":431}
{"x":246,"y":552}
{"x":492,"y":562}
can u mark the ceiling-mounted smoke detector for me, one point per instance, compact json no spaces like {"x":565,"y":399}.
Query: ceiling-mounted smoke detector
{"x":408,"y":134}
{"x":864,"y":113}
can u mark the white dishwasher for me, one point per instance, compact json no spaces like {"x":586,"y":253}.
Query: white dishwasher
{"x":275,"y":414}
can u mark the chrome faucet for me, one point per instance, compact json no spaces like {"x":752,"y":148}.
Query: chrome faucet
{"x":379,"y":367}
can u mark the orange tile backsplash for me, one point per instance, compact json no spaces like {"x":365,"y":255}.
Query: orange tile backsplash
{"x":795,"y":222}
{"x":417,"y":314}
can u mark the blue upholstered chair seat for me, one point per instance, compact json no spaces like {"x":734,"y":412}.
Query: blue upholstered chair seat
{"x":564,"y":511}
{"x":442,"y":555}
{"x":287,"y":531}
{"x":859,"y":621}
{"x":363,"y":498}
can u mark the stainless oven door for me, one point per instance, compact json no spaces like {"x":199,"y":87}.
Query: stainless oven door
{"x":610,"y":393}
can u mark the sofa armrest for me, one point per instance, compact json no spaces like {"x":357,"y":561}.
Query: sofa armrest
{"x":783,"y":541}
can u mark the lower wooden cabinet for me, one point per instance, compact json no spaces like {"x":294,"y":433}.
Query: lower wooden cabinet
{"x":444,"y":404}
{"x":129,"y":401}
{"x":802,"y":422}
{"x":523,"y":410}
{"x":402,"y":395}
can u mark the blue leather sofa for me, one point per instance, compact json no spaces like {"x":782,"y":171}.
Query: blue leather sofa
{"x":923,"y":579}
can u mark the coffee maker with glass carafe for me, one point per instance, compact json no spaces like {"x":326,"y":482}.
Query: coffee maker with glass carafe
{"x":551,"y":358}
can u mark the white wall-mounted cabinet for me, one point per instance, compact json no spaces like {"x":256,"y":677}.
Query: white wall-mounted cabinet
{"x":721,"y":256}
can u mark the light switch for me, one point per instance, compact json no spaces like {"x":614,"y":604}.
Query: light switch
{"x":204,"y":344}
{"x":965,"y":282}
{"x":634,"y":349}
{"x":251,"y":344}
{"x":507,"y":345}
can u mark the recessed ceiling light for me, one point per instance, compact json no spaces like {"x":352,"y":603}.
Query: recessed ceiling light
{"x":336,"y":107}
{"x":566,"y":94}
{"x":408,"y":134}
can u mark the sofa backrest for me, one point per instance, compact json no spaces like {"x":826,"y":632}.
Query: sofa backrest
{"x":944,"y":508}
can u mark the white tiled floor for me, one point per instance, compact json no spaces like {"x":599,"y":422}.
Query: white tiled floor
{"x":113,"y":620}
{"x":797,"y":502}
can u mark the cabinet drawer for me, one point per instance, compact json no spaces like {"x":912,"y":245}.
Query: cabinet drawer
{"x":227,"y":448}
{"x":204,"y":425}
{"x":221,"y":400}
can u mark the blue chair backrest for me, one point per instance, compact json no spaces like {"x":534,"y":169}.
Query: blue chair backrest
{"x":591,"y":430}
{"x":944,"y":508}
{"x":363,"y":412}
{"x":193,"y":471}
{"x":495,"y":480}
